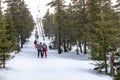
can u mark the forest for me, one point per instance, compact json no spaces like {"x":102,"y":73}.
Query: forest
{"x":16,"y":25}
{"x":92,"y":25}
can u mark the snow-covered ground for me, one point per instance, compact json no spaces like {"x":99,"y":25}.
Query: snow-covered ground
{"x":65,"y":66}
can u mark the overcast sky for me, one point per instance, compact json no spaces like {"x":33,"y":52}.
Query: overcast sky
{"x":41,"y":4}
{"x":38,"y":5}
{"x":34,"y":5}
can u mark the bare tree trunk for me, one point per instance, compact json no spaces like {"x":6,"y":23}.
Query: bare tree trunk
{"x":112,"y":63}
{"x":105,"y":61}
{"x":4,"y":60}
{"x":80,"y":46}
{"x":85,"y":50}
{"x":64,"y":42}
{"x":59,"y":30}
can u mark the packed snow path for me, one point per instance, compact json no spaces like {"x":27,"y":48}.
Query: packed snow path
{"x":65,"y":66}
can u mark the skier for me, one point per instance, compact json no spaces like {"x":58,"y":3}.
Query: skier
{"x":44,"y":46}
{"x":35,"y":44}
{"x":39,"y":48}
{"x":36,"y":36}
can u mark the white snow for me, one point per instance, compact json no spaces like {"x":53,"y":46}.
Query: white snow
{"x":65,"y":66}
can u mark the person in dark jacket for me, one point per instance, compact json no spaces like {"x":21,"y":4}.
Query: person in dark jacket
{"x":35,"y":44}
{"x":39,"y":48}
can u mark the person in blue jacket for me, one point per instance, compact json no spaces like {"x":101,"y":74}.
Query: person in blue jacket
{"x":39,"y":48}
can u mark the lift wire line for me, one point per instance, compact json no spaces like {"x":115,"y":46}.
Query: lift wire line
{"x":39,"y":23}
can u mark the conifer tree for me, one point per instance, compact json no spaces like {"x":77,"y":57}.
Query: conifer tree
{"x":69,"y":28}
{"x":22,"y":19}
{"x":59,"y":7}
{"x":7,"y":38}
{"x":77,"y":20}
{"x":103,"y":29}
{"x":47,"y":24}
{"x":117,"y":76}
{"x":27,"y":23}
{"x":80,"y":14}
{"x":11,"y":30}
{"x":2,"y":36}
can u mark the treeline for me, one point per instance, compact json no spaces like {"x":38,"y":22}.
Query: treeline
{"x":16,"y":24}
{"x":93,"y":24}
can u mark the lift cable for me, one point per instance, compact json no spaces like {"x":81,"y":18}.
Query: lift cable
{"x":39,"y":22}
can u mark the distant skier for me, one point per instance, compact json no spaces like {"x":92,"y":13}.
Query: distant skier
{"x":39,"y":48}
{"x":36,"y":36}
{"x":44,"y":46}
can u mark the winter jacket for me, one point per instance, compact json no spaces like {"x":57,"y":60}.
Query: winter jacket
{"x":44,"y":47}
{"x":39,"y":47}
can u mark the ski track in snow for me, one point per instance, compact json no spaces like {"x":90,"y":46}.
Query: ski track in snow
{"x":65,"y":66}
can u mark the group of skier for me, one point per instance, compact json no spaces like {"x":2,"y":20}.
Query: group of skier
{"x":41,"y":48}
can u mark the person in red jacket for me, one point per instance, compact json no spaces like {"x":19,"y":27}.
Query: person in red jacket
{"x":44,"y":46}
